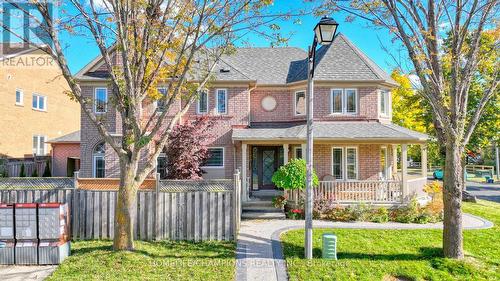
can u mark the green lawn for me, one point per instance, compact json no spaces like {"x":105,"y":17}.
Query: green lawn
{"x":95,"y":260}
{"x":399,"y":254}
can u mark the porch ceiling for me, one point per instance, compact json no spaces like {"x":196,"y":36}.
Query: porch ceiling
{"x":360,"y":131}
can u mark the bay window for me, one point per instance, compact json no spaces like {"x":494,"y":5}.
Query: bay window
{"x":300,"y":103}
{"x":344,"y":101}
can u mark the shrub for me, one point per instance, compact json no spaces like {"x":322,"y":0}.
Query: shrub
{"x":321,"y":205}
{"x":295,"y":214}
{"x":35,"y":172}
{"x":22,"y":173}
{"x":379,"y":215}
{"x":406,"y":214}
{"x":279,"y":202}
{"x":360,"y":212}
{"x":293,"y":175}
{"x":338,"y":213}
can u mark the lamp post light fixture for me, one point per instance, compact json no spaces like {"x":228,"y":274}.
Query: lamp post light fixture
{"x":324,"y":32}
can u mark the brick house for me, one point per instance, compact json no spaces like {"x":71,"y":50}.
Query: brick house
{"x":259,"y":97}
{"x":65,"y":154}
{"x":33,"y":102}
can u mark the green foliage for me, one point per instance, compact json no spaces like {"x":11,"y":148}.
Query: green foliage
{"x":293,"y":175}
{"x":279,"y":202}
{"x":163,"y":260}
{"x":46,"y":171}
{"x":378,"y":254}
{"x":379,"y":215}
{"x":34,"y":174}
{"x":22,"y":173}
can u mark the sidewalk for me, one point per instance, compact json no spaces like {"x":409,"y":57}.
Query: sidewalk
{"x":21,"y":273}
{"x":259,"y":255}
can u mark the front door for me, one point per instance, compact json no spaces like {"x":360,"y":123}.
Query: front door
{"x":266,"y":162}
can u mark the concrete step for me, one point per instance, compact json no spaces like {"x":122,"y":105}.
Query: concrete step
{"x":262,"y":215}
{"x":261,"y":209}
{"x":257,"y":203}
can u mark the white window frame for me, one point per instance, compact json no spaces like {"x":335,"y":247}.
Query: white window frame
{"x":38,"y":97}
{"x":387,"y":103}
{"x":295,"y":149}
{"x":21,"y":97}
{"x":295,"y":103}
{"x":94,"y":166}
{"x":45,"y":146}
{"x":95,"y":100}
{"x":386,"y":167}
{"x":344,"y":162}
{"x":223,"y":158}
{"x":156,"y":101}
{"x":217,"y":100}
{"x":343,"y":101}
{"x":199,"y":100}
{"x":356,"y":101}
{"x":356,"y":164}
{"x":95,"y":156}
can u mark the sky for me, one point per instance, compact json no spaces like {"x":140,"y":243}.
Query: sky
{"x":80,"y":50}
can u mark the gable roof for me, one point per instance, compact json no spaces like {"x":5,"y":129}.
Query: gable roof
{"x":69,"y":138}
{"x":341,"y":61}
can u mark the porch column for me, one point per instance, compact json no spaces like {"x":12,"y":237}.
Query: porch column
{"x":423,"y":160}
{"x":394,"y":160}
{"x":285,"y":153}
{"x":244,"y":162}
{"x":404,"y":167}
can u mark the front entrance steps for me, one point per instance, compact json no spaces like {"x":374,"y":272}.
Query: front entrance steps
{"x":259,"y":208}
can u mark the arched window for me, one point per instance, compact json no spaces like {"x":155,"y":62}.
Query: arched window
{"x":99,"y":161}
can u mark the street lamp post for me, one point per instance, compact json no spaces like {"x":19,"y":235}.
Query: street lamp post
{"x":324,"y":32}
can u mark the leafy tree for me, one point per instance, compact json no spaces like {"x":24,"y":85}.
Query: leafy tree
{"x":446,"y":75}
{"x":169,"y":43}
{"x":186,"y":149}
{"x":46,"y":171}
{"x":293,"y":175}
{"x":22,"y":173}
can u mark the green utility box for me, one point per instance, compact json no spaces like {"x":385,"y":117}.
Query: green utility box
{"x":329,"y":246}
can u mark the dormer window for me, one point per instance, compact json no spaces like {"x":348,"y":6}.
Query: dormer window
{"x":344,"y":101}
{"x":384,"y":104}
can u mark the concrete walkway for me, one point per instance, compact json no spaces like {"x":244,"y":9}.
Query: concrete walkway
{"x":21,"y":273}
{"x":259,"y":254}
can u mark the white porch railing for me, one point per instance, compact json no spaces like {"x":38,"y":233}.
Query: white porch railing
{"x":388,"y":192}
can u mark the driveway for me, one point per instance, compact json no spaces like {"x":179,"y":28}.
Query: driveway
{"x":486,"y":191}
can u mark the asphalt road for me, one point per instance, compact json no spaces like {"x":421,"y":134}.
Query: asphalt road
{"x":486,"y":191}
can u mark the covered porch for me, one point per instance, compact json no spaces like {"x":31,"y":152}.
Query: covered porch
{"x":353,"y":170}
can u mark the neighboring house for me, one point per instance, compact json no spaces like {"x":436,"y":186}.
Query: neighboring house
{"x":260,"y":95}
{"x":65,"y":155}
{"x":33,"y":103}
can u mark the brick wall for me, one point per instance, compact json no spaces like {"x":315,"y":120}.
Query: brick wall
{"x":368,"y":157}
{"x":60,"y":154}
{"x":284,"y":111}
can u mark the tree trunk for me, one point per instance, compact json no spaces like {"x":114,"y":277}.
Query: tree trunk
{"x":452,"y":199}
{"x":125,"y":210}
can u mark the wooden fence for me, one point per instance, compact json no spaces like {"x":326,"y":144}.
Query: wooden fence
{"x":13,"y":168}
{"x":387,"y":192}
{"x":176,"y":210}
